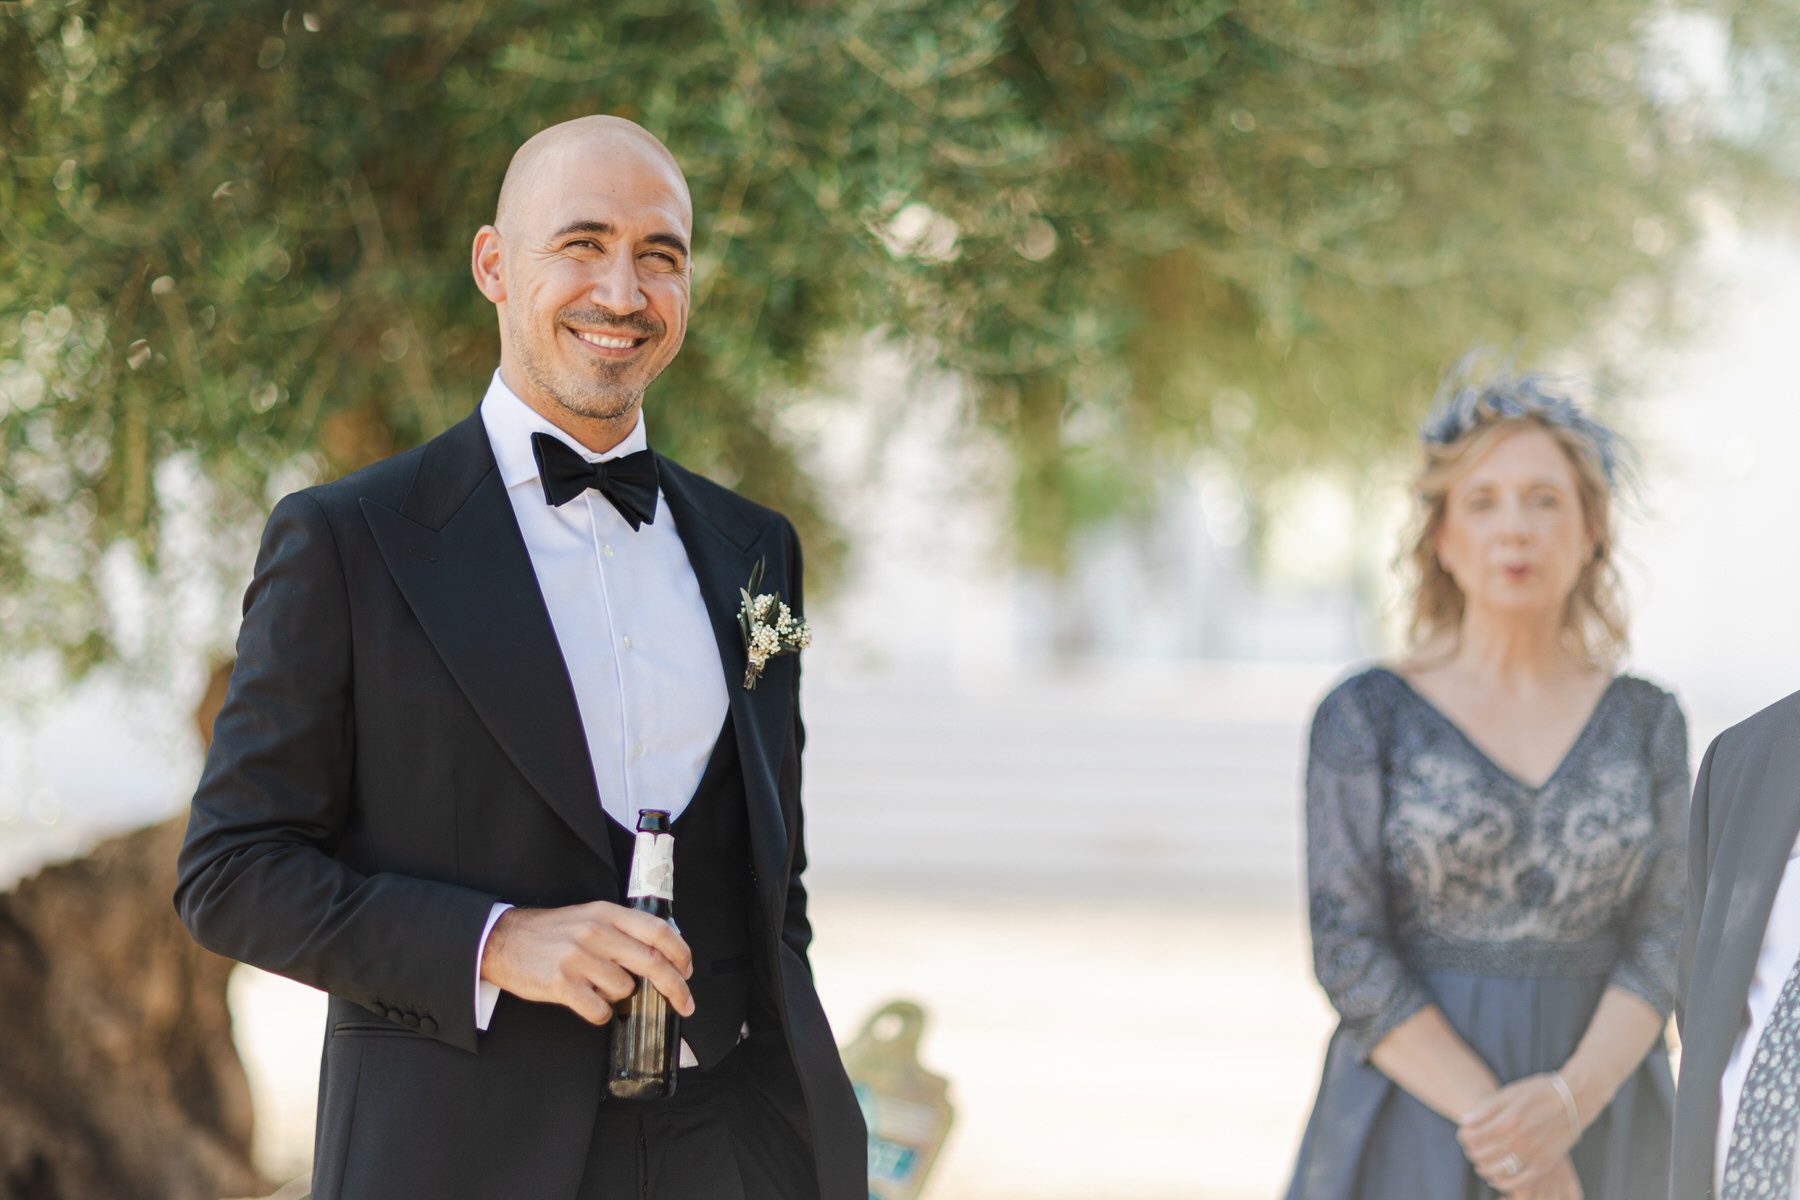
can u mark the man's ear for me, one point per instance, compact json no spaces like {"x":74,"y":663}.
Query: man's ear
{"x":484,"y":264}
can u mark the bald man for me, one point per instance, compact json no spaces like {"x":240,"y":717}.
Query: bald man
{"x":462,"y":674}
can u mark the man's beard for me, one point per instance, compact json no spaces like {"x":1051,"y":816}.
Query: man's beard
{"x":596,"y":397}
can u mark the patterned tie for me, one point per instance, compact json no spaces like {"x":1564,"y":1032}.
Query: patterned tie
{"x":1760,"y":1162}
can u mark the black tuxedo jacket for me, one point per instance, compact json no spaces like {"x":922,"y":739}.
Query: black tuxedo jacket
{"x":1746,"y":814}
{"x":400,"y":748}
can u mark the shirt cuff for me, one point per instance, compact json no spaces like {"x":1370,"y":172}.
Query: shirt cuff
{"x":486,"y":994}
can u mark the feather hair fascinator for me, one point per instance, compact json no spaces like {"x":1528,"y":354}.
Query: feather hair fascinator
{"x":1465,"y":402}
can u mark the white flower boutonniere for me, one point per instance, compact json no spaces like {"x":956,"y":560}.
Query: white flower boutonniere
{"x":770,"y":627}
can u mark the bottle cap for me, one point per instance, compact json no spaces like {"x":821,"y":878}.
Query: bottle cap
{"x":652,"y":858}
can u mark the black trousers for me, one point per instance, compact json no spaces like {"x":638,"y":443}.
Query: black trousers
{"x":717,"y":1138}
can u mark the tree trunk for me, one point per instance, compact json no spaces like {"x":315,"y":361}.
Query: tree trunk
{"x":118,"y":1075}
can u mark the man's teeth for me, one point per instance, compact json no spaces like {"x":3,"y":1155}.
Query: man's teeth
{"x":609,"y":343}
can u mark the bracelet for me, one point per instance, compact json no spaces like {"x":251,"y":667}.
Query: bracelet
{"x":1568,"y":1101}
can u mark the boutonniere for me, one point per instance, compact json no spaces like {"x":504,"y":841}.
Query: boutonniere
{"x":770,"y":627}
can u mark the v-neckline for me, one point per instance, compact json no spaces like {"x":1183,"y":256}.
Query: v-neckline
{"x":1483,"y":754}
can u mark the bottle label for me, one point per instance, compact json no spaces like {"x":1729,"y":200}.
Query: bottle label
{"x":653,"y":867}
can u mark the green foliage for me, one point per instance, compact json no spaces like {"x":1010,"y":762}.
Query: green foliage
{"x":1275,"y":224}
{"x":234,"y":236}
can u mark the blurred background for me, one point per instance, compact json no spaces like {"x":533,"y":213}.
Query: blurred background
{"x":1084,"y":342}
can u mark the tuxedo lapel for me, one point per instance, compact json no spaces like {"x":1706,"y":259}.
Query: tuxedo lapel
{"x":1748,"y":867}
{"x":722,"y":550}
{"x":455,"y":551}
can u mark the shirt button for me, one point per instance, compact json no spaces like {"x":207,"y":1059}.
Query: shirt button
{"x":637,"y":751}
{"x":607,"y":549}
{"x":626,"y":641}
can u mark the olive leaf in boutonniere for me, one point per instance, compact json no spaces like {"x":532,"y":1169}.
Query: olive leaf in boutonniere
{"x":770,"y":627}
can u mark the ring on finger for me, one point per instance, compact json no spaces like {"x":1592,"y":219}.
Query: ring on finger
{"x":1511,"y":1165}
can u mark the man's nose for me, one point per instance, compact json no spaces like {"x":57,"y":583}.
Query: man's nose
{"x":615,"y":286}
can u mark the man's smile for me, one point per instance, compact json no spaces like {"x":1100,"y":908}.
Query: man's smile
{"x":608,"y":345}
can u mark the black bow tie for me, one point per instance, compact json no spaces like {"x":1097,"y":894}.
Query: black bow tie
{"x":629,"y":482}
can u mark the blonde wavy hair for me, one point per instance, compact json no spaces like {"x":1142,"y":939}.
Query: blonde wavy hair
{"x":1464,"y":428}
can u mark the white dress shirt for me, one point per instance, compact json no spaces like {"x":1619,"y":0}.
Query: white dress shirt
{"x":1774,"y":962}
{"x":632,"y":626}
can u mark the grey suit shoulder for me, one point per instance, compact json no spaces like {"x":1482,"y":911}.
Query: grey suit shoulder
{"x":1746,"y":814}
{"x":1779,"y":720}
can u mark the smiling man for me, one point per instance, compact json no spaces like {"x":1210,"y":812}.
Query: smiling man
{"x":588,"y":266}
{"x":462,"y":674}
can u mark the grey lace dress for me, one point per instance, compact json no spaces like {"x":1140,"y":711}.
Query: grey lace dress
{"x":1435,"y":877}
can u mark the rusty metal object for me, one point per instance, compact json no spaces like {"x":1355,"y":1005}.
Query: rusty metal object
{"x":907,"y":1107}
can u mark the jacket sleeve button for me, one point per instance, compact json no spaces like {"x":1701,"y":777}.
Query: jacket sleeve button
{"x":427,"y":1024}
{"x":412,"y":1020}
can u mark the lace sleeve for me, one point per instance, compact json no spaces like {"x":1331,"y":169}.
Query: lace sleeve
{"x":1647,"y":964}
{"x":1352,"y":940}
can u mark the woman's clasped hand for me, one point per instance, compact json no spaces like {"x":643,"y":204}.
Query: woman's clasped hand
{"x":1519,"y":1141}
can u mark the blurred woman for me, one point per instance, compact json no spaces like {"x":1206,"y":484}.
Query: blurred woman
{"x":1495,"y":829}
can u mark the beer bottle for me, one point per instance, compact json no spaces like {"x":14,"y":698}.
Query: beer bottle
{"x":646,"y":1029}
